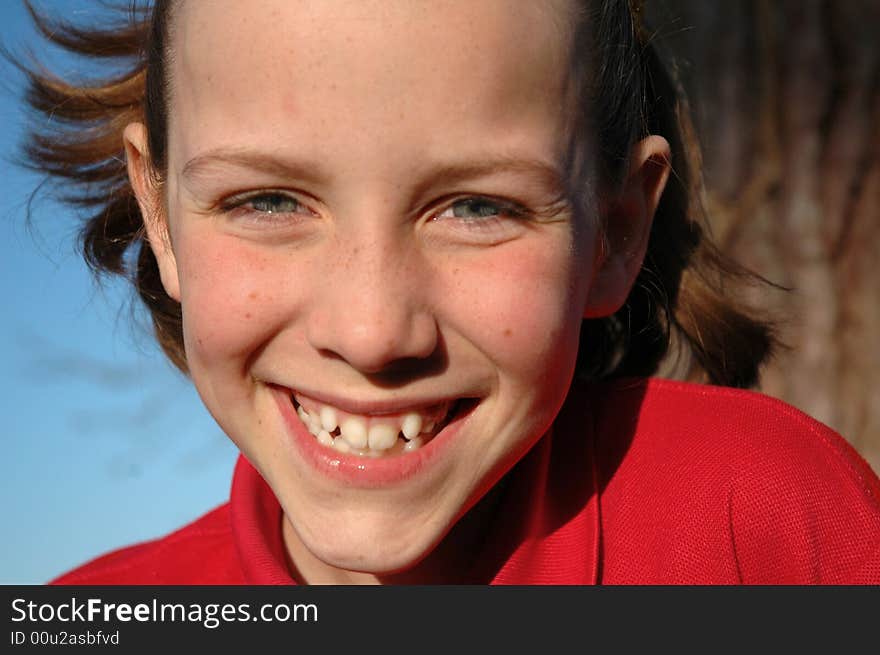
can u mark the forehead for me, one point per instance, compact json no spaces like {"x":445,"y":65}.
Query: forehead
{"x":312,"y":70}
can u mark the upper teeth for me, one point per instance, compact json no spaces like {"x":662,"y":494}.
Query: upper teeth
{"x":368,"y":434}
{"x":328,"y":418}
{"x":354,"y":431}
{"x":411,"y":425}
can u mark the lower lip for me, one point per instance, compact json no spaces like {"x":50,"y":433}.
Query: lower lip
{"x":365,"y":472}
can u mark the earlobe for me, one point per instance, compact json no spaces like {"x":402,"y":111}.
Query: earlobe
{"x":150,"y":202}
{"x":627,"y":219}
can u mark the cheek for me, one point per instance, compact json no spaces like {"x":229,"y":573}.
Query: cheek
{"x":230,"y":295}
{"x":522,"y":305}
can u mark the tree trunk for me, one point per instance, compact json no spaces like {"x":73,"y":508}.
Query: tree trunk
{"x":786,"y":100}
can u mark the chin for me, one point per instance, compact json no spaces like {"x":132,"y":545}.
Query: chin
{"x":370,"y":549}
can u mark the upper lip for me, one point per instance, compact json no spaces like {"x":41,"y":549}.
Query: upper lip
{"x":373,"y":407}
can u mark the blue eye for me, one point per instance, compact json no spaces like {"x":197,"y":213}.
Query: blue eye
{"x":271,"y":203}
{"x":265,"y":209}
{"x":481,"y":220}
{"x":475,"y":208}
{"x":268,"y":212}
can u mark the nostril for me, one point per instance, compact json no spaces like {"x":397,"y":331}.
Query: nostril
{"x":403,"y":371}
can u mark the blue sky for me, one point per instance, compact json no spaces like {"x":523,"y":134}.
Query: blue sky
{"x":106,"y":444}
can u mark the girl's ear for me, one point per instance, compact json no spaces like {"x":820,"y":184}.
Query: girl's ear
{"x":152,"y":208}
{"x":627,"y":221}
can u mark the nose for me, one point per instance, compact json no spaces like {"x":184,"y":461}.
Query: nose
{"x":373,"y":311}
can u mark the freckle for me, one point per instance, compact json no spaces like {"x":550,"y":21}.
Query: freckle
{"x":247,"y":314}
{"x":253,"y":295}
{"x":507,"y":332}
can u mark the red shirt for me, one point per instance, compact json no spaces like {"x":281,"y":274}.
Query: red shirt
{"x":639,"y":482}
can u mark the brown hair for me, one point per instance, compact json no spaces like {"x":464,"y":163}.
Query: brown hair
{"x":685,"y":296}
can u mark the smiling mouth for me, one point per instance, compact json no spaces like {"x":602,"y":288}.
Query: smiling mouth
{"x":374,"y":435}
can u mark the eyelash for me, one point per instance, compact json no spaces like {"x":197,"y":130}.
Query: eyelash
{"x":503,"y":209}
{"x":237,"y":206}
{"x":243,"y":207}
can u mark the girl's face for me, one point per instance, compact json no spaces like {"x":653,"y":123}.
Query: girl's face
{"x":368,"y":224}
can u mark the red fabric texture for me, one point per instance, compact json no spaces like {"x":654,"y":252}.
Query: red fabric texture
{"x":639,"y":482}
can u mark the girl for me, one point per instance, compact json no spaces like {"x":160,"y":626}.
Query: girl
{"x":420,"y":260}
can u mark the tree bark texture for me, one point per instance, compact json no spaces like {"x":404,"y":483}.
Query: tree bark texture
{"x":786,"y":100}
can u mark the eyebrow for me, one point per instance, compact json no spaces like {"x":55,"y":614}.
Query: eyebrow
{"x":545,"y":172}
{"x":263,"y":162}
